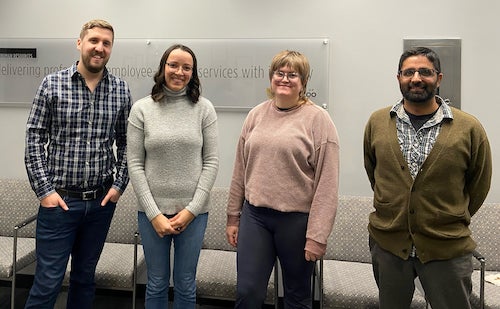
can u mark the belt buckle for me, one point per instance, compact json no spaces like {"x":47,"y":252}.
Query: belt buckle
{"x":89,"y":195}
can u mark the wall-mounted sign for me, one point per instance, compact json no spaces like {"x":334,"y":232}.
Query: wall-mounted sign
{"x":17,"y":53}
{"x":233,"y":72}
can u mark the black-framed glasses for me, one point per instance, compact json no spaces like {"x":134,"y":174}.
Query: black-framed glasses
{"x":423,"y":72}
{"x":175,"y":67}
{"x":289,"y":75}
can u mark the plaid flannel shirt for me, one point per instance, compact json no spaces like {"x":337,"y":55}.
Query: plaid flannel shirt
{"x":71,"y":132}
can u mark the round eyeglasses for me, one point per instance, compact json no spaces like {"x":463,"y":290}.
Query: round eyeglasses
{"x":290,"y":75}
{"x":175,"y":67}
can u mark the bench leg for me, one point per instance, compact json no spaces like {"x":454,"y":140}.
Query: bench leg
{"x":134,"y":279}
{"x":14,"y":269}
{"x":276,"y":285}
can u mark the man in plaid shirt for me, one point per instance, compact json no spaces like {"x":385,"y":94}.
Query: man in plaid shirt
{"x":78,"y":114}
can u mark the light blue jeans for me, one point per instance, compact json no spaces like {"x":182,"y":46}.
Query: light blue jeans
{"x":187,"y":246}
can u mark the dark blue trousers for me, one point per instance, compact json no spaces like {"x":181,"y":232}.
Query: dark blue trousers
{"x":265,"y":234}
{"x":79,"y":232}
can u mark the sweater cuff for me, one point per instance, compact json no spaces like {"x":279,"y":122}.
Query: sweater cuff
{"x":233,"y":220}
{"x":149,"y":206}
{"x":315,"y":247}
{"x":198,"y":202}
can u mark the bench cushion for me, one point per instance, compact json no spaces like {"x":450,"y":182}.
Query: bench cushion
{"x":216,"y":276}
{"x":349,"y":238}
{"x":17,"y":203}
{"x":115,"y":268}
{"x":124,"y":223}
{"x":491,"y":292}
{"x":486,"y":233}
{"x":215,"y":233}
{"x":25,"y":254}
{"x":351,"y":285}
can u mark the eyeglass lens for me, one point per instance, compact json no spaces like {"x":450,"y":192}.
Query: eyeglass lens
{"x":424,"y":72}
{"x":175,"y":67}
{"x":289,"y":75}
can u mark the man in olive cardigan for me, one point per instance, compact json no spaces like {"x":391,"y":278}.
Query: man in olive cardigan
{"x":429,"y":166}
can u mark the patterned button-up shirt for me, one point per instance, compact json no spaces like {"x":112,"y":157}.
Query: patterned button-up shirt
{"x":417,"y":144}
{"x":71,"y":131}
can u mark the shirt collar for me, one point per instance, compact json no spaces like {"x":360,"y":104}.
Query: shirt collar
{"x":443,"y":112}
{"x":73,"y":71}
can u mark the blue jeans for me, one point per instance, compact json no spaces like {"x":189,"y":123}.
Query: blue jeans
{"x":187,"y":246}
{"x":79,"y":231}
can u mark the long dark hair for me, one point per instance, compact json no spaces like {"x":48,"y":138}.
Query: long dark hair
{"x":193,"y":90}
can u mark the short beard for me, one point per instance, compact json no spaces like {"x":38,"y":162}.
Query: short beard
{"x":422,"y":97}
{"x":90,"y":68}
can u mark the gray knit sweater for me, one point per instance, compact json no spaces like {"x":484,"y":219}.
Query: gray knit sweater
{"x":172,"y":153}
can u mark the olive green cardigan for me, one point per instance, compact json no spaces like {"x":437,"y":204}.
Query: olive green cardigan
{"x":432,"y":211}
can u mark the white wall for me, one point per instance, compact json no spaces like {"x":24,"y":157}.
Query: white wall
{"x":366,"y":42}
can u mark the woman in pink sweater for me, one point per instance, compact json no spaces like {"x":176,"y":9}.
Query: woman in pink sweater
{"x":284,"y":190}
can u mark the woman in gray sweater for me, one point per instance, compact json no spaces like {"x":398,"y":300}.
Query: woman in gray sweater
{"x":173,"y":163}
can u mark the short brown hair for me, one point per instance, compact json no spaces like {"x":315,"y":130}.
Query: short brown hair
{"x":99,"y":23}
{"x":297,"y":62}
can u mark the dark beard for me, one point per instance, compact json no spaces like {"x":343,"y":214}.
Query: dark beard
{"x":427,"y":94}
{"x":93,"y":69}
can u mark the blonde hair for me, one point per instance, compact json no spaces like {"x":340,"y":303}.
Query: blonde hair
{"x":99,"y":23}
{"x":299,"y":63}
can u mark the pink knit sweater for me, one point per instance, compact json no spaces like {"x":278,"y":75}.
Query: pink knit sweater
{"x":288,"y":161}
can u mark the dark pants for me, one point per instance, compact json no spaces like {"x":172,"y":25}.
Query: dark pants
{"x":81,"y":232}
{"x":447,"y":284}
{"x":265,"y":234}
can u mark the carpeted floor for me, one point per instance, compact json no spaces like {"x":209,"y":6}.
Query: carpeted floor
{"x":105,"y":299}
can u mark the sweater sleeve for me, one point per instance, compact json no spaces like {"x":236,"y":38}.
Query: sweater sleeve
{"x":136,"y":155}
{"x":237,"y":187}
{"x":210,"y":163}
{"x":478,"y":177}
{"x":369,"y":158}
{"x":325,"y":198}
